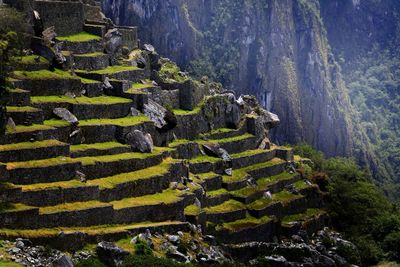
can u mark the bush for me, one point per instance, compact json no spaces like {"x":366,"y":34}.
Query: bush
{"x":391,"y":243}
{"x":148,"y":260}
{"x":141,"y":248}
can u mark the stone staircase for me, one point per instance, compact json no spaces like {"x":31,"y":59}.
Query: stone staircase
{"x":66,"y":185}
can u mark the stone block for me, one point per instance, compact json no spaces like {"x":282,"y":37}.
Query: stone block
{"x":190,"y":95}
{"x":228,"y":216}
{"x":129,"y":37}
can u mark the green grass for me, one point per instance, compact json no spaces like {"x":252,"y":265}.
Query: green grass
{"x":234,"y":138}
{"x":31,"y":128}
{"x":94,"y":54}
{"x":17,"y":90}
{"x":123,"y":156}
{"x":43,"y":75}
{"x":248,"y":153}
{"x":182,"y":112}
{"x":81,"y":100}
{"x":218,"y":192}
{"x":80,"y":37}
{"x":56,"y":123}
{"x":245,"y":223}
{"x":192,"y":210}
{"x":227,"y":206}
{"x":9,"y":264}
{"x":40,"y":163}
{"x":72,"y":206}
{"x":22,"y":109}
{"x":204,"y":158}
{"x":171,"y":70}
{"x":30,"y":145}
{"x":264,"y":182}
{"x":88,"y":81}
{"x":282,"y":196}
{"x":97,"y":146}
{"x":127,"y":121}
{"x":309,"y":213}
{"x":137,"y":88}
{"x":300,"y":185}
{"x":178,"y":142}
{"x":218,"y":131}
{"x":246,"y":191}
{"x":167,"y":197}
{"x":112,"y":69}
{"x":13,"y":207}
{"x":31,"y":60}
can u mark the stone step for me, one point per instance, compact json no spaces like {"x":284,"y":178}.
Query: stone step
{"x":42,"y":171}
{"x":15,"y":216}
{"x":223,"y":133}
{"x":209,"y":181}
{"x":228,"y":211}
{"x":102,"y":166}
{"x":74,"y":238}
{"x":282,"y":203}
{"x":236,"y":144}
{"x":114,"y":129}
{"x":239,"y":177}
{"x":25,"y":115}
{"x":31,"y":63}
{"x":139,"y":94}
{"x":91,"y":61}
{"x":119,"y":72}
{"x":85,"y":107}
{"x":205,"y":164}
{"x":46,"y":82}
{"x":248,"y":229}
{"x":91,"y":88}
{"x":99,"y":149}
{"x":35,"y":132}
{"x":33,"y":150}
{"x":125,"y":185}
{"x":185,"y":149}
{"x":81,"y":43}
{"x":9,"y":193}
{"x":311,"y":220}
{"x":95,"y":29}
{"x":18,"y":97}
{"x":216,"y":197}
{"x":273,"y":184}
{"x":251,"y":157}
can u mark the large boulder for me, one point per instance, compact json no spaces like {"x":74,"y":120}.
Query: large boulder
{"x":112,"y":41}
{"x":214,"y":150}
{"x":66,"y":115}
{"x":139,"y":141}
{"x":110,"y":254}
{"x":163,"y":118}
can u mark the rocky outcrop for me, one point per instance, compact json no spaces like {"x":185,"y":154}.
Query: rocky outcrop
{"x":277,"y":51}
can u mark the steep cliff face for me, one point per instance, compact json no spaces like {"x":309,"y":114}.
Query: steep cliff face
{"x":275,"y":49}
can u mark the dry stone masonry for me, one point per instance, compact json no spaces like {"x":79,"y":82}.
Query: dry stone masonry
{"x":107,"y":145}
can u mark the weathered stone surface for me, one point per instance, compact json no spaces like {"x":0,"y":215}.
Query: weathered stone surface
{"x":65,"y":115}
{"x":112,"y":41}
{"x":139,"y":141}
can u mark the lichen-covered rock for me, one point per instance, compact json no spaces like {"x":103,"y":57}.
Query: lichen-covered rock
{"x":66,"y":115}
{"x":162,"y":118}
{"x":110,"y":254}
{"x":139,"y":141}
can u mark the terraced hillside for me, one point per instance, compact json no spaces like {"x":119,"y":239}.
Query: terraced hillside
{"x":70,"y":183}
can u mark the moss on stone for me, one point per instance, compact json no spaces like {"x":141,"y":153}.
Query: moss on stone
{"x":192,"y":210}
{"x":31,"y":59}
{"x":30,"y":145}
{"x":227,"y":206}
{"x":81,"y":100}
{"x":127,"y":121}
{"x":97,"y":146}
{"x":170,"y":70}
{"x":40,"y":163}
{"x":43,"y":75}
{"x":79,"y":37}
{"x":245,"y":223}
{"x":218,"y":192}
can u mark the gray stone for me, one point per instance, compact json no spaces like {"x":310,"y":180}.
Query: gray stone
{"x":139,"y":141}
{"x":134,"y":112}
{"x":233,"y":115}
{"x":174,"y":239}
{"x":107,"y":85}
{"x":65,"y":115}
{"x":11,"y":124}
{"x":162,"y":118}
{"x":214,"y":150}
{"x":112,"y":41}
{"x":149,"y":48}
{"x":110,"y":254}
{"x":228,"y":171}
{"x":63,"y":261}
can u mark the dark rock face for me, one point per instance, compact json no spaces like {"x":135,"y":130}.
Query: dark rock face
{"x":139,"y":141}
{"x":110,"y":254}
{"x":283,"y":59}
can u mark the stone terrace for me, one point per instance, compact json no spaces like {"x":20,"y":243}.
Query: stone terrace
{"x":124,"y":192}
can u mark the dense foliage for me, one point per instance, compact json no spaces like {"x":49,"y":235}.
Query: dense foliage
{"x":358,"y":208}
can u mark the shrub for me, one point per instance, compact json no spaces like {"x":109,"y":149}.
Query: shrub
{"x":149,"y":260}
{"x":91,"y":262}
{"x":141,"y":248}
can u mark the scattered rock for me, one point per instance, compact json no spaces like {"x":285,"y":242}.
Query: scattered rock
{"x":174,"y":239}
{"x":139,"y":142}
{"x":107,"y":85}
{"x":112,"y":41}
{"x":149,"y":48}
{"x":173,"y":185}
{"x":110,"y":254}
{"x":228,"y":171}
{"x":11,"y":124}
{"x":162,"y":118}
{"x":63,"y":261}
{"x":81,"y":176}
{"x":214,"y":150}
{"x":65,"y":115}
{"x":267,"y":195}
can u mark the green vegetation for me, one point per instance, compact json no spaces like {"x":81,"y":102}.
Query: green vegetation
{"x":113,"y":69}
{"x":127,"y":121}
{"x":40,"y":163}
{"x":166,"y":197}
{"x":31,"y":59}
{"x":247,"y":222}
{"x":43,"y":75}
{"x":96,"y":146}
{"x":358,"y":208}
{"x":31,"y":128}
{"x":149,"y":260}
{"x":74,"y":206}
{"x":170,"y":70}
{"x":91,"y":262}
{"x":80,"y":37}
{"x":81,"y":100}
{"x":22,"y":109}
{"x":30,"y":145}
{"x":309,"y":213}
{"x":192,"y":210}
{"x":227,"y":206}
{"x":9,"y":264}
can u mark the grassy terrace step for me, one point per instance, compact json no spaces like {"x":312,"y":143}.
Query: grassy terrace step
{"x":46,"y":82}
{"x":33,"y":150}
{"x":235,"y":144}
{"x":18,"y":97}
{"x":311,"y":220}
{"x":44,"y":170}
{"x":280,"y":204}
{"x":264,"y":169}
{"x":102,"y":166}
{"x":99,"y":149}
{"x":216,"y":197}
{"x":205,"y":164}
{"x":31,"y":62}
{"x":85,"y":107}
{"x":145,"y":181}
{"x":301,"y":217}
{"x":246,"y":230}
{"x":25,"y":133}
{"x":120,"y":72}
{"x":251,"y":157}
{"x":25,"y":115}
{"x":228,"y":211}
{"x":210,"y":181}
{"x":222,"y":133}
{"x":91,"y":61}
{"x":81,"y":43}
{"x":52,"y":237}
